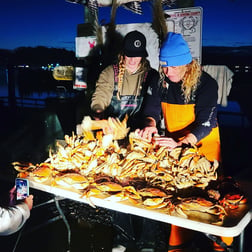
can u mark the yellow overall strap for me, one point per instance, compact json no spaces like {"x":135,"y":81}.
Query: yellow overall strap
{"x":178,"y":116}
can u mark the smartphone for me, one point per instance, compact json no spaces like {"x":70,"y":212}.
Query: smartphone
{"x":22,"y":188}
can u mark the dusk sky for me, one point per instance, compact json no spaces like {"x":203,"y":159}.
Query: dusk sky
{"x":53,"y":23}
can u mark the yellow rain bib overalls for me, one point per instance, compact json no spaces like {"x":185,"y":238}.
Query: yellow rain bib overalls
{"x":178,"y":117}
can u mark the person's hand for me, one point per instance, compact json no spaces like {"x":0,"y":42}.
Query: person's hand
{"x":29,"y":201}
{"x":189,"y":139}
{"x":165,"y":141}
{"x":13,"y":194}
{"x":98,"y":115}
{"x":147,"y":132}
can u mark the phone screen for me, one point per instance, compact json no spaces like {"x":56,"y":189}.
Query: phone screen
{"x":22,"y":187}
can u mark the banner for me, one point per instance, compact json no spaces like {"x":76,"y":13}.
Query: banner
{"x":83,"y":45}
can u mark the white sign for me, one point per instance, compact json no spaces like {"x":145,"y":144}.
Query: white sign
{"x":80,"y":78}
{"x":188,"y":22}
{"x":84,"y":45}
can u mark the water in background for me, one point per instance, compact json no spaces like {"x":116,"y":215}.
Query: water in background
{"x":35,"y":87}
{"x":31,"y":88}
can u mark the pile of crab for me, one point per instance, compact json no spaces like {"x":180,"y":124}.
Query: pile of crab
{"x":174,"y":181}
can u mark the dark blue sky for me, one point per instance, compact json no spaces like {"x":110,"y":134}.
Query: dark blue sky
{"x":53,"y":23}
{"x":226,"y":22}
{"x":50,"y":23}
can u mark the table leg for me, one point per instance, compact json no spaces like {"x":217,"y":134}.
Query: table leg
{"x":241,"y":241}
{"x":218,"y":240}
{"x":56,"y":199}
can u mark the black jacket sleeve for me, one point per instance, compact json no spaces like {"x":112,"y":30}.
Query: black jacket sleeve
{"x":205,"y":106}
{"x":152,"y":103}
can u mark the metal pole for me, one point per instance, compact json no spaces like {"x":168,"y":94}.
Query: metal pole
{"x":241,"y":241}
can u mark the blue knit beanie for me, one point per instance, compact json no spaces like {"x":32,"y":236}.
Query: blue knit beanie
{"x":174,"y":51}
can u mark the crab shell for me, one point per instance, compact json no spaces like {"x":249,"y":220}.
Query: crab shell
{"x":42,"y":173}
{"x":151,"y":192}
{"x":233,"y":201}
{"x":201,"y":205}
{"x":153,"y":201}
{"x":108,"y":187}
{"x":23,"y":166}
{"x":73,"y":180}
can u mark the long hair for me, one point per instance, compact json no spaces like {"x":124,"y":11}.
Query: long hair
{"x":145,"y":64}
{"x":190,"y":80}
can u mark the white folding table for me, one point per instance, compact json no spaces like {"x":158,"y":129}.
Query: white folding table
{"x":235,"y":227}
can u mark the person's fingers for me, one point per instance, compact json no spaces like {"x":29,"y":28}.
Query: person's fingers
{"x":165,"y":141}
{"x":147,"y":134}
{"x":137,"y":131}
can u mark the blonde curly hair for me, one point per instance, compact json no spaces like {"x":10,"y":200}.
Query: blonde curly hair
{"x":190,"y":79}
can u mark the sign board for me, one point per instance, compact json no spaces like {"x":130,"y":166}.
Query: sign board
{"x":188,"y":22}
{"x":80,"y":78}
{"x":83,"y":45}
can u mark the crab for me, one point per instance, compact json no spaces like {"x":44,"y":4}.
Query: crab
{"x":113,"y":126}
{"x":42,"y":172}
{"x":232,"y":201}
{"x":142,"y":173}
{"x":155,"y":202}
{"x":72,"y":180}
{"x":23,"y":166}
{"x":200,"y":205}
{"x":139,"y":144}
{"x":152,"y":192}
{"x":108,"y":186}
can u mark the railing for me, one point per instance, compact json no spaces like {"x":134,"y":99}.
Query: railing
{"x":24,"y":102}
{"x":60,"y":93}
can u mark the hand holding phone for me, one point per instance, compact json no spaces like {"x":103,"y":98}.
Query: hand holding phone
{"x":22,"y":187}
{"x":29,"y":201}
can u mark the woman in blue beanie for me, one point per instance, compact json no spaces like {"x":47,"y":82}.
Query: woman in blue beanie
{"x":188,"y":100}
{"x":189,"y":106}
